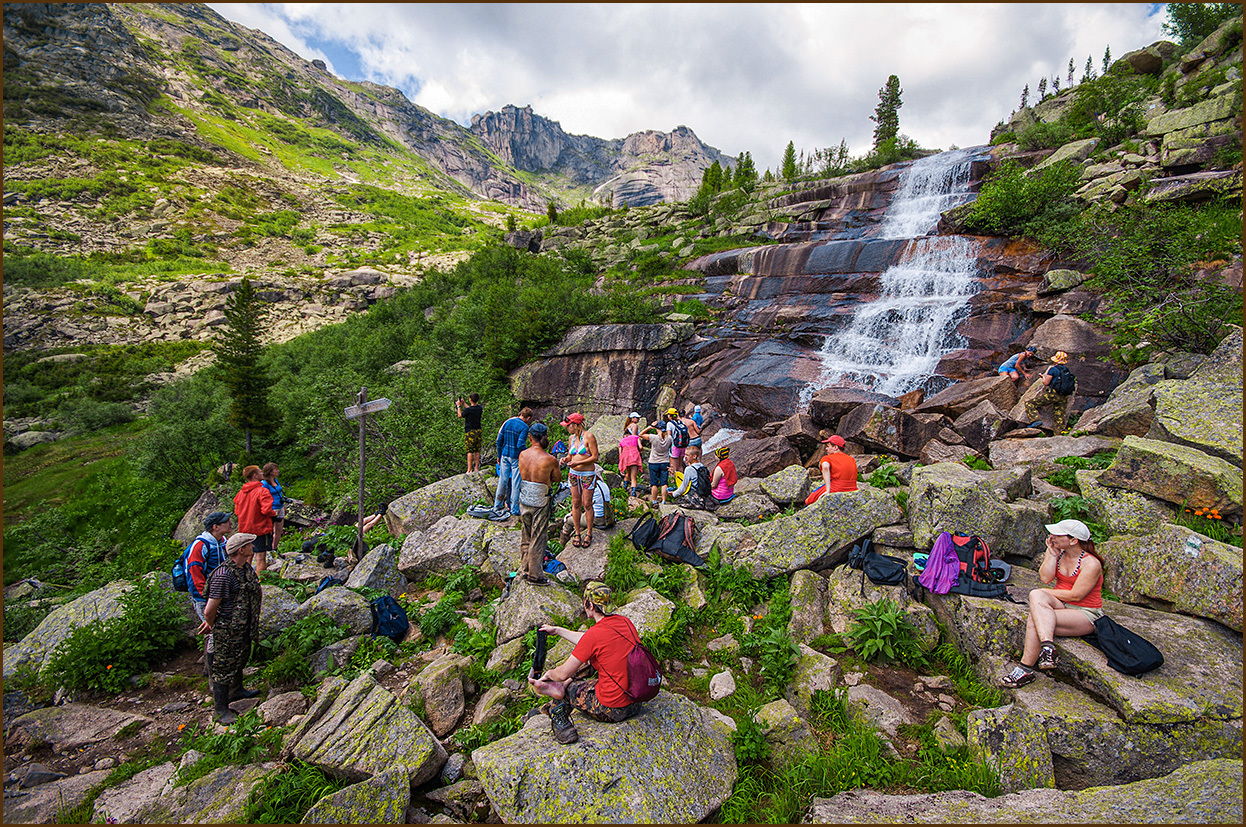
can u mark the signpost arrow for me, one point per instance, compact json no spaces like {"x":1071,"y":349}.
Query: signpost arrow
{"x":356,"y":411}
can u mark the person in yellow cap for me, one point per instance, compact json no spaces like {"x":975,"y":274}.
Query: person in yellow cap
{"x":605,"y":647}
{"x":1058,"y":386}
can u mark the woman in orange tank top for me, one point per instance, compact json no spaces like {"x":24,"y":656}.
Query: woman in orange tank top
{"x":1068,"y":610}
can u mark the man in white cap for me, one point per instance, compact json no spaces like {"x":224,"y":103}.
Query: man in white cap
{"x":232,"y":616}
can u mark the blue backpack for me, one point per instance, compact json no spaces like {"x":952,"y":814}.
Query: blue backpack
{"x":389,"y":619}
{"x":180,"y":570}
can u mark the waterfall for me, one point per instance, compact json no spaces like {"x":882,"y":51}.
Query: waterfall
{"x":893,"y":344}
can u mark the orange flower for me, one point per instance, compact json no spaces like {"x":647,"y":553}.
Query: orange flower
{"x":109,"y":666}
{"x":181,"y":727}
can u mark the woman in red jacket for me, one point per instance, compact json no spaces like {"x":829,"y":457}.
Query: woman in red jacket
{"x":253,"y":506}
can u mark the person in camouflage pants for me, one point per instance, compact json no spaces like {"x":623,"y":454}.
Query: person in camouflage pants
{"x":232,"y":616}
{"x":1050,"y":396}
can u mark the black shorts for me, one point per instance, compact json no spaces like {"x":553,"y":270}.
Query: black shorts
{"x":263,"y":544}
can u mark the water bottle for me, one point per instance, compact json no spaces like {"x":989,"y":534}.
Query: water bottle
{"x":1193,"y":545}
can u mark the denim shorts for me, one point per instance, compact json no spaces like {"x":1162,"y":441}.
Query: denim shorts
{"x":659,"y":472}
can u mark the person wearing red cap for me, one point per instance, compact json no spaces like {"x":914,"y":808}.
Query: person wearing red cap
{"x":581,"y":462}
{"x":839,"y":471}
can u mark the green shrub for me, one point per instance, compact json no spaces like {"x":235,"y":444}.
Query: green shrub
{"x":247,"y":741}
{"x":103,"y":658}
{"x":441,"y":617}
{"x":21,"y":617}
{"x":285,"y":797}
{"x":623,"y":566}
{"x":882,"y":628}
{"x":885,"y":475}
{"x":1016,"y":202}
{"x":1045,"y":136}
{"x":293,"y":648}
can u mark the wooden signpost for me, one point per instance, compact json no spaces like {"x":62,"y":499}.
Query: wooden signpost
{"x":360,"y":412}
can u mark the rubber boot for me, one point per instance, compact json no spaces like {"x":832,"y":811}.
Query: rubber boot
{"x":560,"y":722}
{"x":220,"y":698}
{"x":237,"y":693}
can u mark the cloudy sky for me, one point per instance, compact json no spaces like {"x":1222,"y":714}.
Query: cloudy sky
{"x":743,"y":77}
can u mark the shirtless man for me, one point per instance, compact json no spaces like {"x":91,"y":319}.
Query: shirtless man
{"x":539,"y":474}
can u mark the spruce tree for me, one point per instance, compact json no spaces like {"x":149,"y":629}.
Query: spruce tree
{"x":1072,"y":72}
{"x":887,"y":113}
{"x":788,"y":169}
{"x":1089,"y":74}
{"x":1025,"y":96}
{"x":1042,"y":89}
{"x":745,"y":172}
{"x":1107,"y":58}
{"x":552,"y":212}
{"x":238,"y":353}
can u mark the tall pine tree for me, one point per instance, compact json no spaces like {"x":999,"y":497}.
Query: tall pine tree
{"x":887,"y":113}
{"x":238,"y":353}
{"x":788,"y":169}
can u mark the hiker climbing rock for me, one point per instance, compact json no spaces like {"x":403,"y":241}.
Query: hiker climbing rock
{"x":1059,"y":384}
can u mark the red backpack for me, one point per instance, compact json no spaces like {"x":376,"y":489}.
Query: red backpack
{"x":975,"y":559}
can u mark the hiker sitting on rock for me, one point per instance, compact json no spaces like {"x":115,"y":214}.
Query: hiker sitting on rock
{"x":605,"y":647}
{"x":1068,"y":610}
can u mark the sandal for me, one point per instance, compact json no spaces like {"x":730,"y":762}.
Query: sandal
{"x":579,"y":543}
{"x":1018,"y":677}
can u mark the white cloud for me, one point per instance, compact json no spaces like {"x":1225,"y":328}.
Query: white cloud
{"x":741,"y":76}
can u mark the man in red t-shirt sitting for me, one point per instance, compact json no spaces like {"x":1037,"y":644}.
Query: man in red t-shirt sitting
{"x":605,"y":647}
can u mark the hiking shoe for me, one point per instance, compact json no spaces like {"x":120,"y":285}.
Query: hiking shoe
{"x":560,"y":722}
{"x":1018,"y":677}
{"x":1047,"y":659}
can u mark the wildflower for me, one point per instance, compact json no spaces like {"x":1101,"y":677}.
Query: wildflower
{"x":109,"y":666}
{"x":181,"y":727}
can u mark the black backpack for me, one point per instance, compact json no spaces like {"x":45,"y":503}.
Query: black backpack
{"x":703,"y":482}
{"x":680,"y":438}
{"x":644,"y":533}
{"x":1127,"y":651}
{"x":676,"y":540}
{"x":389,"y":619}
{"x":1063,"y":382}
{"x":882,"y":569}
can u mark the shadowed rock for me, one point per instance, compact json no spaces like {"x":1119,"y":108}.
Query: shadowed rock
{"x":829,"y":404}
{"x":220,"y":797}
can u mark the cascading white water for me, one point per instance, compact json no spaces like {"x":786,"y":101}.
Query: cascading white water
{"x":894,"y":343}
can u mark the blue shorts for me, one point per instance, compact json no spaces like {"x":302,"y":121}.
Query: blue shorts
{"x":659,"y":472}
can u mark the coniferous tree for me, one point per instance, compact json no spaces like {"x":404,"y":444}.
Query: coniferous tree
{"x":1025,"y":96}
{"x":552,"y":212}
{"x":768,"y":177}
{"x":727,"y":182}
{"x":1191,"y":22}
{"x":788,"y":169}
{"x":887,"y":113}
{"x":238,"y":353}
{"x":1107,"y":58}
{"x":1055,"y":84}
{"x":1042,"y":89}
{"x":745,"y":172}
{"x":1089,"y":74}
{"x":1072,"y":71}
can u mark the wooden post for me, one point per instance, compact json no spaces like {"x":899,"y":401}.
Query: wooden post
{"x":360,"y":412}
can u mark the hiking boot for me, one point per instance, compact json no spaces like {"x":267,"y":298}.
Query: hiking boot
{"x":536,"y":581}
{"x":220,"y":702}
{"x":560,"y":722}
{"x":1047,"y":659}
{"x":1018,"y":677}
{"x":237,"y":693}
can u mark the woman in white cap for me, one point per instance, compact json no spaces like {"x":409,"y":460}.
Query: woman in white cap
{"x":629,"y":452}
{"x":1068,"y":610}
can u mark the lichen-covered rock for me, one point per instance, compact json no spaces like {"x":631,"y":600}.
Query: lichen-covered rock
{"x":671,"y":764}
{"x":1128,"y":410}
{"x":1157,"y":570}
{"x":440,"y":685}
{"x":814,"y":672}
{"x":884,"y":712}
{"x":123,"y":802}
{"x":447,"y":545}
{"x":791,"y":485}
{"x":747,"y":506}
{"x":357,"y":730}
{"x":421,"y":508}
{"x":1206,"y":416}
{"x":277,"y":611}
{"x":1120,"y":510}
{"x":1011,"y":452}
{"x":958,"y":399}
{"x":609,"y":430}
{"x":589,"y":563}
{"x":1014,"y":743}
{"x":506,"y":656}
{"x":75,"y":725}
{"x":528,"y":606}
{"x":191,"y":524}
{"x":97,"y":607}
{"x":1011,"y":483}
{"x":726,"y":536}
{"x":1218,"y":108}
{"x":816,"y":536}
{"x":220,"y":797}
{"x":808,"y":592}
{"x":335,"y":655}
{"x":465,"y":800}
{"x":381,"y":799}
{"x":1174,"y":473}
{"x":1224,"y":365}
{"x":647,"y":609}
{"x":1076,"y":151}
{"x":785,"y":731}
{"x":279,"y":709}
{"x":1204,"y":792}
{"x":343,"y":606}
{"x":844,"y":599}
{"x":40,"y":805}
{"x":951,"y":497}
{"x":501,"y":548}
{"x":377,"y":570}
{"x":491,"y":706}
{"x":1057,"y":281}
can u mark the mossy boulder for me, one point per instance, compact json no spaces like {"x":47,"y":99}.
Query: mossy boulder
{"x":787,"y":487}
{"x":1058,"y":281}
{"x":377,"y":570}
{"x":72,"y":726}
{"x":749,"y":505}
{"x":93,"y":608}
{"x":277,"y":611}
{"x":1156,"y":569}
{"x":1075,"y":151}
{"x":1010,"y":452}
{"x":1119,"y":510}
{"x":528,"y":606}
{"x":1204,"y":792}
{"x":647,"y":609}
{"x":357,"y":730}
{"x":1206,"y":416}
{"x":440,"y":686}
{"x":814,"y":672}
{"x":1177,"y":474}
{"x":950,"y":497}
{"x":343,"y":606}
{"x":1014,"y":743}
{"x":446,"y":545}
{"x":220,"y":797}
{"x":672,"y":764}
{"x":808,"y":590}
{"x":785,"y":731}
{"x":1219,"y":108}
{"x":381,"y":799}
{"x":817,"y":536}
{"x":421,"y":508}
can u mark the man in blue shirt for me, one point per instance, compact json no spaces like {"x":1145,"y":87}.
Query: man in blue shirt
{"x":512,"y":439}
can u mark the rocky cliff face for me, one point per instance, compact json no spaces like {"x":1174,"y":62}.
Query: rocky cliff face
{"x":644,"y":168}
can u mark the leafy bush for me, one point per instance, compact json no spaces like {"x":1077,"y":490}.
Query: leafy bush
{"x":104,"y":657}
{"x":21,"y":617}
{"x":882,"y":628}
{"x":294,"y":647}
{"x":885,"y":475}
{"x":441,"y":617}
{"x":1016,"y":202}
{"x":623,"y":566}
{"x":247,"y":741}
